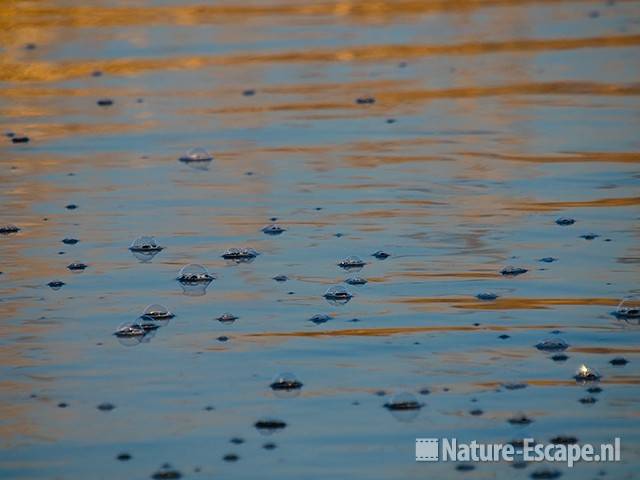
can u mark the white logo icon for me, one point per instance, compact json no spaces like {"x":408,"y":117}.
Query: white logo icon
{"x":427,"y":449}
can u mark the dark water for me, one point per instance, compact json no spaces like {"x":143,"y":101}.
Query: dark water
{"x":507,"y":116}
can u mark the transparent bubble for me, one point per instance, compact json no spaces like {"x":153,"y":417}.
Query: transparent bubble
{"x":356,"y":281}
{"x":565,"y":221}
{"x":585,"y":374}
{"x":158,"y":312}
{"x":227,"y":318}
{"x":130,"y":334}
{"x":77,"y":266}
{"x":286,"y":381}
{"x":7,"y":229}
{"x":514,"y":385}
{"x":337,"y":295}
{"x":552,"y":345}
{"x":513,"y":271}
{"x":129,"y":329}
{"x":166,"y":472}
{"x":589,"y":236}
{"x":155,"y":316}
{"x":404,"y":407}
{"x":240,"y":255}
{"x":381,"y":255}
{"x":145,"y":243}
{"x":56,"y":284}
{"x":352,"y":262}
{"x":520,"y":419}
{"x":286,"y":385}
{"x":267,"y":426}
{"x":197,"y":154}
{"x":487,"y":296}
{"x":628,"y":308}
{"x":320,"y":318}
{"x":235,"y":253}
{"x":273,"y":229}
{"x":194,"y":274}
{"x":547,"y":259}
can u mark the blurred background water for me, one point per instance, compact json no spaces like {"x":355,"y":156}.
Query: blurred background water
{"x":491,"y":119}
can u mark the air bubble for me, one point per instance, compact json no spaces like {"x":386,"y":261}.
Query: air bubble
{"x":158,"y":312}
{"x":403,"y":401}
{"x":487,"y":296}
{"x":588,"y":400}
{"x":194,"y":274}
{"x":586,"y":374}
{"x":76,"y":266}
{"x":404,"y":406}
{"x":352,"y":262}
{"x":365,"y":100}
{"x":520,"y":419}
{"x":513,"y":271}
{"x":589,"y":236}
{"x":618,"y":361}
{"x":194,"y":280}
{"x":564,"y":221}
{"x":240,"y":255}
{"x":552,"y":345}
{"x":273,"y":229}
{"x":628,"y":308}
{"x":130,"y":334}
{"x":380,"y":255}
{"x":563,"y":440}
{"x":286,"y":385}
{"x":337,"y":295}
{"x":267,"y":426}
{"x":7,"y":229}
{"x":227,"y":318}
{"x":514,"y":386}
{"x":56,"y":284}
{"x":285,"y":381}
{"x":145,"y":243}
{"x":356,"y":281}
{"x":320,"y":318}
{"x":545,"y":474}
{"x":155,"y":316}
{"x":197,"y":154}
{"x":166,"y":472}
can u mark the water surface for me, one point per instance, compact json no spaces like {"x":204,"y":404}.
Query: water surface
{"x":491,"y":119}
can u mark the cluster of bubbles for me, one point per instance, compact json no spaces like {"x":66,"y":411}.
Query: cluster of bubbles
{"x":195,"y":278}
{"x":143,"y":329}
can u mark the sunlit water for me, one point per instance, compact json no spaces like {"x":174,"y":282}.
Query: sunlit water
{"x":489,"y":121}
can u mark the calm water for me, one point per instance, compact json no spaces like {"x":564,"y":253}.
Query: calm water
{"x":508,"y":115}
